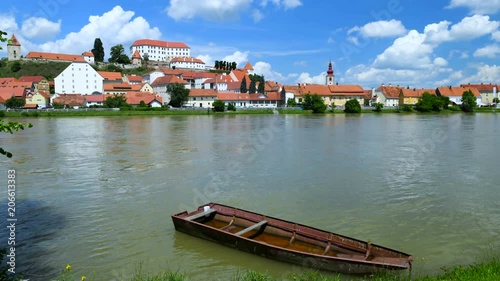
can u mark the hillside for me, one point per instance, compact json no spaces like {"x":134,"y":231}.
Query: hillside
{"x":50,"y":70}
{"x":28,"y":68}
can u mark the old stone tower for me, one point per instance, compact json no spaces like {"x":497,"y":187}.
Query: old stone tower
{"x":330,"y":77}
{"x":13,"y":48}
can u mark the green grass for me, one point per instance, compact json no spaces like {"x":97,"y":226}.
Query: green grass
{"x":49,"y":70}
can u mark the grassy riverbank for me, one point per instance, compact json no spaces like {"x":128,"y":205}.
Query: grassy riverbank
{"x":165,"y":112}
{"x":485,"y":271}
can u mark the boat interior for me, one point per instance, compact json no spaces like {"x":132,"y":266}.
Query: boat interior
{"x":292,"y":236}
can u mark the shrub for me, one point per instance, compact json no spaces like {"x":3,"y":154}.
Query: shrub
{"x":2,"y":113}
{"x":352,"y":106}
{"x":406,"y":108}
{"x":231,"y":107}
{"x":218,"y":106}
{"x":378,"y":107}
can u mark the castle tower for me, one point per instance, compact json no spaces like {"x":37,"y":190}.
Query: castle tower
{"x":13,"y":48}
{"x":330,"y":77}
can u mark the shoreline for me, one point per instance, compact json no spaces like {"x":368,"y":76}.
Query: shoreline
{"x":191,"y":112}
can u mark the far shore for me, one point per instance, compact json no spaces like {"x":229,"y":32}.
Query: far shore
{"x":89,"y":112}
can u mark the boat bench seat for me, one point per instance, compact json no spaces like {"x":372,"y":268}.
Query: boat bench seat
{"x":199,"y":215}
{"x":252,"y":227}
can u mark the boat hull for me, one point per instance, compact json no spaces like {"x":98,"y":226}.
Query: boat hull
{"x":302,"y":259}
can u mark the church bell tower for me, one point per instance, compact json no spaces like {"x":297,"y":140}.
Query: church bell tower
{"x":330,"y":76}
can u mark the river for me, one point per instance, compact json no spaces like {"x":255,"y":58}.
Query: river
{"x":98,"y":192}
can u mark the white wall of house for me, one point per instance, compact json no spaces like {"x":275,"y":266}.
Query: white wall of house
{"x":161,"y":53}
{"x":89,"y":59}
{"x":187,"y":64}
{"x":79,"y":78}
{"x":289,"y":95}
{"x":203,"y":102}
{"x":152,"y":76}
{"x":380,"y":97}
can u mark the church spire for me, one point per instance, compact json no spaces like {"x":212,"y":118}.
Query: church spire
{"x":330,"y":76}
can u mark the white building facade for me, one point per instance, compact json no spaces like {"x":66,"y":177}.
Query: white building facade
{"x":187,"y":63}
{"x":79,"y":78}
{"x":157,"y":50}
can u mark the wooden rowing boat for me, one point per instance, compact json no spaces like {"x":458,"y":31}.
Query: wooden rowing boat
{"x":287,"y":241}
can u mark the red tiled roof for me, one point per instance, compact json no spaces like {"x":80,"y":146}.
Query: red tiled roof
{"x":30,"y":106}
{"x":482,"y":87}
{"x":13,"y":41}
{"x":95,"y":98}
{"x":367,"y":94}
{"x":159,"y":43}
{"x":202,"y":93}
{"x":168,"y":79}
{"x":457,"y":91}
{"x":32,"y":79}
{"x":248,"y":66}
{"x":132,"y":78}
{"x":136,"y":55}
{"x":88,"y":54}
{"x":54,"y":56}
{"x":6,"y":81}
{"x":111,"y":76}
{"x":195,"y":60}
{"x":70,"y":100}
{"x":2,"y":100}
{"x":135,"y":98}
{"x":350,"y":90}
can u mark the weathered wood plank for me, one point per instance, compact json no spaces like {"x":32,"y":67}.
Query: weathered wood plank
{"x":199,"y":215}
{"x":252,"y":227}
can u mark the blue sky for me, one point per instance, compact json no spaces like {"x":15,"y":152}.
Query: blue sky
{"x":405,"y":42}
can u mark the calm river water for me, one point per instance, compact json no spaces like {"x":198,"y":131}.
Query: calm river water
{"x":98,"y":192}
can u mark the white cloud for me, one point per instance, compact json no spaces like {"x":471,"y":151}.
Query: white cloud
{"x":407,"y":52}
{"x":477,"y":6}
{"x":113,"y":27}
{"x":207,"y":59}
{"x":238,"y":57}
{"x":257,"y":15}
{"x":467,"y":29}
{"x":441,"y":62}
{"x":305,"y":77}
{"x":495,"y":36}
{"x":286,"y":4}
{"x":40,"y":28}
{"x":485,"y":74}
{"x":8,"y":23}
{"x":490,"y":51}
{"x":380,"y":29}
{"x":453,"y":79}
{"x":264,"y":68}
{"x":213,"y":10}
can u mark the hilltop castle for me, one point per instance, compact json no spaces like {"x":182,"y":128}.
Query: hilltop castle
{"x":13,"y":49}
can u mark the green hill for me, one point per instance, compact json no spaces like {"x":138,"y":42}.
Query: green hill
{"x":29,"y":68}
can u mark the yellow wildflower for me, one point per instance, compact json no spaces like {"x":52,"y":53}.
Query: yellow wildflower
{"x":68,"y":267}
{"x":84,"y":278}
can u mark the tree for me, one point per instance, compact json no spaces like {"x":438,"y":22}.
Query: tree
{"x":378,"y":106}
{"x":10,"y":128}
{"x":98,"y":50}
{"x":468,"y":101}
{"x":116,"y":101}
{"x":14,"y":103}
{"x":253,"y":88}
{"x":233,"y":65}
{"x":2,"y":39}
{"x":118,"y":55}
{"x":145,"y":59}
{"x":314,"y":103}
{"x":178,"y":94}
{"x":142,"y":104}
{"x":428,"y":103}
{"x":15,"y":66}
{"x":352,"y":106}
{"x":216,"y":64}
{"x":243,"y":86}
{"x":231,"y":106}
{"x":445,"y":101}
{"x":218,"y":106}
{"x":291,"y":102}
{"x":496,"y":100}
{"x":262,"y":85}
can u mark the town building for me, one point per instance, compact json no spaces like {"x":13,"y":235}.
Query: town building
{"x":488,"y":91}
{"x":136,"y":58}
{"x":89,"y":57}
{"x":201,"y":98}
{"x":160,"y":86}
{"x":330,"y":76}
{"x":187,"y":63}
{"x":79,"y":77}
{"x":13,"y":49}
{"x":41,"y":56}
{"x":157,"y":50}
{"x":455,"y":94}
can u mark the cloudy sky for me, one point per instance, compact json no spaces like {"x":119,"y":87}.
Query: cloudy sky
{"x":406,"y":42}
